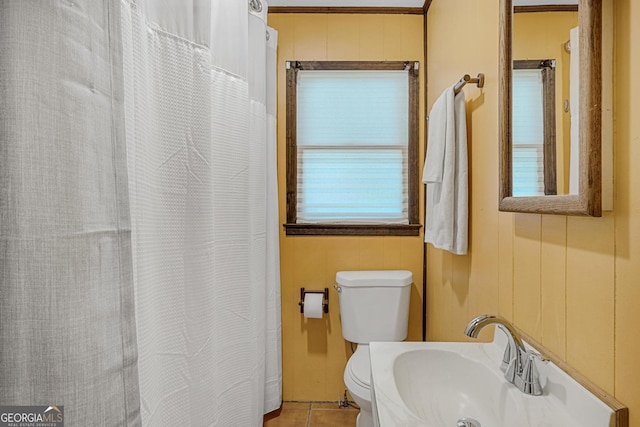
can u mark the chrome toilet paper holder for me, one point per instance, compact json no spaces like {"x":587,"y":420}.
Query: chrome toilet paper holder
{"x":325,"y":299}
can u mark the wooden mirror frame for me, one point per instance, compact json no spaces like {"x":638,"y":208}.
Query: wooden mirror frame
{"x":588,"y":200}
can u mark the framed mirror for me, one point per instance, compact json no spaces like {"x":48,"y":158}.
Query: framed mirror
{"x":550,"y":106}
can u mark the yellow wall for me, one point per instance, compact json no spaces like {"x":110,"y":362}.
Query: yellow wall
{"x":542,"y":35}
{"x":314,"y":352}
{"x":571,"y":283}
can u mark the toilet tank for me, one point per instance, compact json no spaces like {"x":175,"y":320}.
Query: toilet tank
{"x":374,"y":305}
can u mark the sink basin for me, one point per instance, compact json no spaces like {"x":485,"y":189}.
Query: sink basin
{"x":457,"y":386}
{"x":430,"y":384}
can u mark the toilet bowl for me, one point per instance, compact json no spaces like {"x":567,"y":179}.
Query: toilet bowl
{"x":374,"y":306}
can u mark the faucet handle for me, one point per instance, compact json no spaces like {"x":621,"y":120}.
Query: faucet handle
{"x":507,"y":357}
{"x":530,"y":378}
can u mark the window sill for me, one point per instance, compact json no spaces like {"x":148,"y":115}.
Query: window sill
{"x":352,"y":229}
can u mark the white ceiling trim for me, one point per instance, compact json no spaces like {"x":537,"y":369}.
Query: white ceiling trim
{"x":392,"y":3}
{"x":347,"y":3}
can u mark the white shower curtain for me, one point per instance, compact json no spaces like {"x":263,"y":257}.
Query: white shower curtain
{"x":67,"y":326}
{"x":192,"y":98}
{"x":206,"y":309}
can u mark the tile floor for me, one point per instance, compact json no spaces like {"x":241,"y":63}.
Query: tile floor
{"x":311,"y":414}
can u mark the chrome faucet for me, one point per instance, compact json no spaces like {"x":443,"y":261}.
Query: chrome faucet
{"x":518,"y":364}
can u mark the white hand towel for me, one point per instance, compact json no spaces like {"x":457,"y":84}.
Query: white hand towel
{"x":446,"y":175}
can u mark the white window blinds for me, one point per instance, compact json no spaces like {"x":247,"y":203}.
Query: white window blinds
{"x":528,"y":133}
{"x":352,"y":147}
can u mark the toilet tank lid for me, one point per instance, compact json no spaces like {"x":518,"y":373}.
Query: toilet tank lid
{"x":376,"y":278}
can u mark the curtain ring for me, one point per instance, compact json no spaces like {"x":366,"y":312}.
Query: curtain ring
{"x":256,"y":5}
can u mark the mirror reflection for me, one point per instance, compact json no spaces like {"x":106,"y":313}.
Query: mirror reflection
{"x":545,"y":94}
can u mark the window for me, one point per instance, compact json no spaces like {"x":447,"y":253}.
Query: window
{"x":534,"y":136}
{"x":352,"y":148}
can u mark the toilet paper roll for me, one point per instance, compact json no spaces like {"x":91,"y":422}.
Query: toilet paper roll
{"x":313,"y":306}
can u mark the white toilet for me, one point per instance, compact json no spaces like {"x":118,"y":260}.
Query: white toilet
{"x":374,"y":306}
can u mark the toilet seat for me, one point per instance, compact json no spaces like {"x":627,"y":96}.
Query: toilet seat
{"x":359,"y":367}
{"x":357,"y":378}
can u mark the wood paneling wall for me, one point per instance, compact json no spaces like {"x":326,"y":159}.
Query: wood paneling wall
{"x":571,"y":283}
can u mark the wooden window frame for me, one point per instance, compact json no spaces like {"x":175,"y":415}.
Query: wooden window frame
{"x":410,"y":229}
{"x":548,"y":70}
